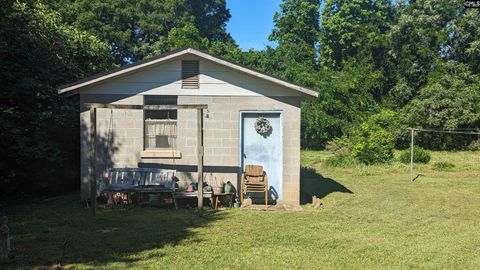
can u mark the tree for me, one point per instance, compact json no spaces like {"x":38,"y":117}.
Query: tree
{"x":137,"y":29}
{"x":352,"y":30}
{"x":210,"y":17}
{"x":464,"y":34}
{"x":343,"y":102}
{"x":450,"y":100}
{"x":38,"y":53}
{"x":356,"y":32}
{"x":296,"y":30}
{"x":422,"y":38}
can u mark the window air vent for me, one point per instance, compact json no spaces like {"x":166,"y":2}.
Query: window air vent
{"x":190,"y":74}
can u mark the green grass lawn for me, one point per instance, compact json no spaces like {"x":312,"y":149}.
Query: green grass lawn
{"x":371,"y":218}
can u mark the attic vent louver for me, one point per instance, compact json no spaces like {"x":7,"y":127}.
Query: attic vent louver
{"x":190,"y":74}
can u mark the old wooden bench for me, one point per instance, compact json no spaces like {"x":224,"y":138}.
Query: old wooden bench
{"x":142,"y":181}
{"x":139,"y":180}
{"x":186,"y":195}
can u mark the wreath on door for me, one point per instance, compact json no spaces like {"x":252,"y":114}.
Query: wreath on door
{"x":262,"y":126}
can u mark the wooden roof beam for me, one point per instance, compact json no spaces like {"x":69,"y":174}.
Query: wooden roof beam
{"x":147,"y":107}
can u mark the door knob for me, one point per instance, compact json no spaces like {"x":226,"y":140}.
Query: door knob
{"x":244,"y":156}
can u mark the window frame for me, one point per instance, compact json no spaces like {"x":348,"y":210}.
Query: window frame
{"x":160,"y":152}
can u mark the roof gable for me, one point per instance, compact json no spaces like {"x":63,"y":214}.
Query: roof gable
{"x":136,"y":67}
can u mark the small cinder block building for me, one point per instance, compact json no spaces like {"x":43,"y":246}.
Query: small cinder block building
{"x":237,"y":97}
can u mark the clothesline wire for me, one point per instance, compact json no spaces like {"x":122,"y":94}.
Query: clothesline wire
{"x":453,"y":129}
{"x":448,"y":131}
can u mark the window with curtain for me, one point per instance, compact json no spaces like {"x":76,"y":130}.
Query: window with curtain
{"x":160,"y":126}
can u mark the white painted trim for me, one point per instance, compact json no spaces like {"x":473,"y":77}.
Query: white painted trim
{"x":240,"y":139}
{"x":200,"y":54}
{"x":255,"y":73}
{"x":120,"y":72}
{"x":161,"y":153}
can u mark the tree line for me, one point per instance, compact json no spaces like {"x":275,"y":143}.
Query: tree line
{"x":379,"y":66}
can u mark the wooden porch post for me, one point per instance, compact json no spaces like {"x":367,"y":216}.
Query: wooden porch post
{"x":93,"y":160}
{"x":93,"y":142}
{"x":200,"y":160}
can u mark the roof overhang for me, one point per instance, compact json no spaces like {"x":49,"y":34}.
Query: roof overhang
{"x":89,"y":81}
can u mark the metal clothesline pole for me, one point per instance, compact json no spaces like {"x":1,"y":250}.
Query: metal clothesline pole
{"x":412,"y":132}
{"x":465,"y":131}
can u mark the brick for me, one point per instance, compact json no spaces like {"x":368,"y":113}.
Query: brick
{"x":125,"y":141}
{"x":225,"y":151}
{"x":213,"y":142}
{"x":235,"y":115}
{"x":229,"y":124}
{"x":213,"y":124}
{"x":188,"y":150}
{"x":138,"y":123}
{"x":291,"y":187}
{"x":188,"y":133}
{"x":134,"y":133}
{"x":215,"y":161}
{"x":228,"y":142}
{"x":181,"y":123}
{"x":188,"y":160}
{"x":192,"y":124}
{"x":291,"y":145}
{"x":138,"y":141}
{"x":123,"y":123}
{"x":191,"y":142}
{"x":217,"y":133}
{"x":224,"y":100}
{"x":234,"y":134}
{"x":204,"y":100}
{"x":130,"y":114}
{"x":222,"y":115}
{"x":134,"y":149}
{"x":231,"y":160}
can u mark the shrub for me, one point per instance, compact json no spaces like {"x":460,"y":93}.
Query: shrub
{"x":420,"y":155}
{"x":373,"y":144}
{"x":474,"y":145}
{"x":391,"y":122}
{"x":386,"y":119}
{"x":443,"y":166}
{"x":340,"y":159}
{"x":339,"y":145}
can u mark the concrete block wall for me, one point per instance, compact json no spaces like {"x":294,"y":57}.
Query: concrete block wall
{"x":221,"y":138}
{"x":222,"y":124}
{"x":119,"y":136}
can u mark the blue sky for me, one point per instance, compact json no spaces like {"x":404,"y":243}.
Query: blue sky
{"x":252,"y":22}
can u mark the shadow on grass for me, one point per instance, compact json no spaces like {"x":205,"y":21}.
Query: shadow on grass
{"x":313,"y":183}
{"x":60,"y":232}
